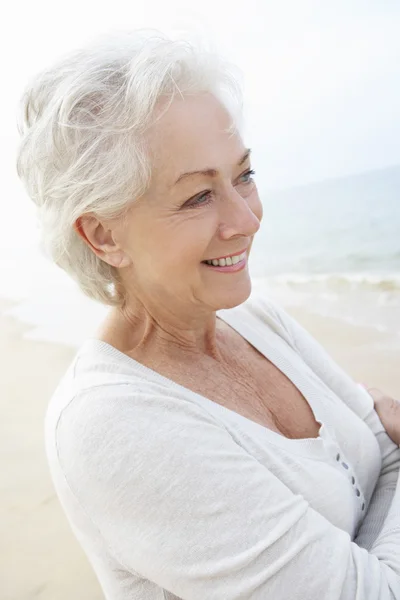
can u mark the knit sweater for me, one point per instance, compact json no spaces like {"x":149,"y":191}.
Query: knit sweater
{"x":174,"y":496}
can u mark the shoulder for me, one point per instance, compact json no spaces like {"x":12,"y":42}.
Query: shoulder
{"x":103,"y":432}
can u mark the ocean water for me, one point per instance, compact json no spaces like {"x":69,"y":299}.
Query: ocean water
{"x":332,"y":246}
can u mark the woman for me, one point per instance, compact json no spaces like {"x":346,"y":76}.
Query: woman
{"x":202,"y":444}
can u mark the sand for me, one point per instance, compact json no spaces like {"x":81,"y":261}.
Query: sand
{"x":39,"y":556}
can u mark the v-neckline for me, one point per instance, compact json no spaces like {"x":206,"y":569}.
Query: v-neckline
{"x":250,"y":332}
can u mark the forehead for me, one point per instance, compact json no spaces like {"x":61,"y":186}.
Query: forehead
{"x":193,"y":134}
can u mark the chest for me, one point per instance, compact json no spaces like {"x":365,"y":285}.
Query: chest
{"x":247,"y":383}
{"x":262,"y":393}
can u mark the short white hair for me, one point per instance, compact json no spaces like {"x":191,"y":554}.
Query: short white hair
{"x":82,"y":145}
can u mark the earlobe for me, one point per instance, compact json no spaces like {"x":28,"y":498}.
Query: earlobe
{"x":118,"y":259}
{"x":125,"y":262}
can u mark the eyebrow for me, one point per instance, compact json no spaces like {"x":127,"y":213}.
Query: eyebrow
{"x":212,"y":172}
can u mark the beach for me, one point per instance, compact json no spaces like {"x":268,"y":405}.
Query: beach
{"x":40,"y":557}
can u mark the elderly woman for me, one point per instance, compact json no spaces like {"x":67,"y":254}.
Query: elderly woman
{"x":203,"y":445}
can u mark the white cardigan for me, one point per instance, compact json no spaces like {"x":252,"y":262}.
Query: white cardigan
{"x":171,"y":495}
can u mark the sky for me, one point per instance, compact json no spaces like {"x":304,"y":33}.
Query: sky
{"x":321,"y":79}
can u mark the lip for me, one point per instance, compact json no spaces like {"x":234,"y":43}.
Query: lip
{"x":227,"y":255}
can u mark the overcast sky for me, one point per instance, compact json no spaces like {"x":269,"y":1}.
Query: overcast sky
{"x":322,"y":79}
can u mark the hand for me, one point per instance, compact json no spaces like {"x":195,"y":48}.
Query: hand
{"x":388,"y":410}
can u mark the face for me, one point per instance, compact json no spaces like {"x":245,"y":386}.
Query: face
{"x":202,"y":204}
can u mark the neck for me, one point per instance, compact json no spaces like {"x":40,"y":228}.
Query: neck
{"x":140,"y":333}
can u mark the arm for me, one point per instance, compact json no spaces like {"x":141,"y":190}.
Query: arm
{"x":361,"y":402}
{"x":180,"y":503}
{"x":384,"y":491}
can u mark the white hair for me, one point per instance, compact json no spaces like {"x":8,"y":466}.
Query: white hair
{"x":82,"y":149}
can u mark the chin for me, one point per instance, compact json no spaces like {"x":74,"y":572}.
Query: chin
{"x":229,"y":298}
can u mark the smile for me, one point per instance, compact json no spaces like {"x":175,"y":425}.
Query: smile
{"x":233,"y":259}
{"x":228,"y":264}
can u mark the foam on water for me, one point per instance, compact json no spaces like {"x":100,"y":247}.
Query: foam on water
{"x":350,"y":299}
{"x":339,"y":281}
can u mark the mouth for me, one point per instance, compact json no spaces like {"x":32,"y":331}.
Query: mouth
{"x":229,"y":260}
{"x":229,"y":264}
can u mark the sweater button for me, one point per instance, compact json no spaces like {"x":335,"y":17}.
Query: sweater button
{"x":363,"y":506}
{"x":357,"y":492}
{"x":338,"y":457}
{"x":353,"y":480}
{"x":344,"y":465}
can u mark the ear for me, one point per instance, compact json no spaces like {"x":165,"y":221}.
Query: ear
{"x":100,"y":240}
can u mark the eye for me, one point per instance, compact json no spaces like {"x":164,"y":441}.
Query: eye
{"x":201,"y":200}
{"x":248,"y":176}
{"x":205,"y":198}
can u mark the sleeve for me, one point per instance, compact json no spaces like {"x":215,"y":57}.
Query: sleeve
{"x":361,"y":402}
{"x":179,"y":502}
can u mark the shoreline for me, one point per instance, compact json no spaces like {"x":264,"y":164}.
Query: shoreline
{"x":40,"y":556}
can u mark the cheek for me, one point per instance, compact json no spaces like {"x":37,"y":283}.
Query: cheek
{"x":192,"y":235}
{"x":173,"y":244}
{"x":179,"y":248}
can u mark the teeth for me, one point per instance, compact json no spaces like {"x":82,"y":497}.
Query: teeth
{"x":230,"y":260}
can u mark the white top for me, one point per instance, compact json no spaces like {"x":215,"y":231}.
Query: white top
{"x":171,"y":495}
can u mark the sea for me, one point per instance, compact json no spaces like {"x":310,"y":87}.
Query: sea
{"x":332,"y":247}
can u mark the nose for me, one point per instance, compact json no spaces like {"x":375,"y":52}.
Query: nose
{"x":240,"y":216}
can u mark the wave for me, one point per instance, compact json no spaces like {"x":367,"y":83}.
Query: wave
{"x":366,"y":299}
{"x":388,"y":282}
